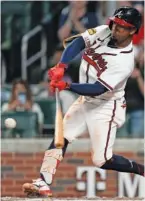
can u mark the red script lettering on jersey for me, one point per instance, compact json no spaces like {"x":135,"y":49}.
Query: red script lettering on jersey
{"x":101,"y":64}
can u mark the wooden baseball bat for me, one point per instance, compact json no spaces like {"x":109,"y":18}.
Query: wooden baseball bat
{"x":58,"y":137}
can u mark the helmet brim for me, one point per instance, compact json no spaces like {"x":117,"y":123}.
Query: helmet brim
{"x":121,"y":22}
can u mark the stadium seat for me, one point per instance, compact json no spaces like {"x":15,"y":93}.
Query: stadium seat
{"x":48,"y":108}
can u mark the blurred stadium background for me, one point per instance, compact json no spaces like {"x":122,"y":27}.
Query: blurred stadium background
{"x":31,"y":42}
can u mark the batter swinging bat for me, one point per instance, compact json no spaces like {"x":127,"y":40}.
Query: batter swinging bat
{"x":58,"y":138}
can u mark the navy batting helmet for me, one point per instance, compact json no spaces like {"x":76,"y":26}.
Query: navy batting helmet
{"x":127,"y":17}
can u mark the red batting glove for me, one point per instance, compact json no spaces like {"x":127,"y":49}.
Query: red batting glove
{"x":57,"y":72}
{"x":61,"y":85}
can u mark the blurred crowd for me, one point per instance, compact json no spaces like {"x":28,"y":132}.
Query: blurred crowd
{"x":21,"y":98}
{"x":134,"y":126}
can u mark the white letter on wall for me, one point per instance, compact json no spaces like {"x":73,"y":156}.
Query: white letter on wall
{"x":90,"y":186}
{"x":131,"y":186}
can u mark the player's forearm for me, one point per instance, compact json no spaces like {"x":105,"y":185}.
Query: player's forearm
{"x":72,"y":50}
{"x":88,"y":89}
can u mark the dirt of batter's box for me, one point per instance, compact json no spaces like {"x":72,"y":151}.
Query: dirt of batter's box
{"x":70,"y":199}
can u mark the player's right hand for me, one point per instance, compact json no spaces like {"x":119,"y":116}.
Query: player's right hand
{"x":60,"y":85}
{"x":57,"y":72}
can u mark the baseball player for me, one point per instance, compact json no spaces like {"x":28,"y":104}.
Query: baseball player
{"x":107,"y":63}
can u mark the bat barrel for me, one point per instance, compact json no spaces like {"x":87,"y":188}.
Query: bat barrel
{"x":58,"y":137}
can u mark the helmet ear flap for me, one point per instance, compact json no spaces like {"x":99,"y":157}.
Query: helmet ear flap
{"x":137,"y":30}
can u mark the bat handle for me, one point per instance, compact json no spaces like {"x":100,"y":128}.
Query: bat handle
{"x":56,"y":91}
{"x":58,"y":104}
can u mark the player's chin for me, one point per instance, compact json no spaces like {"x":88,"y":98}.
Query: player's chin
{"x":114,"y":38}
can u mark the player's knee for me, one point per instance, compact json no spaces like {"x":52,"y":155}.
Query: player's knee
{"x":98,"y":162}
{"x":69,"y":138}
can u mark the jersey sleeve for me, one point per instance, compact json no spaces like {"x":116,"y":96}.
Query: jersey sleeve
{"x":116,"y":74}
{"x":90,"y":35}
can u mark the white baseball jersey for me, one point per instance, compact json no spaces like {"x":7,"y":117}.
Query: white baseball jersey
{"x":100,"y":116}
{"x":110,"y":66}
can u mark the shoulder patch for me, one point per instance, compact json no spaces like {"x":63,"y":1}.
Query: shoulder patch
{"x":91,"y":31}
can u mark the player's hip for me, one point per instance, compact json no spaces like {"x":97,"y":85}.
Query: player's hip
{"x":106,"y":110}
{"x":102,"y":100}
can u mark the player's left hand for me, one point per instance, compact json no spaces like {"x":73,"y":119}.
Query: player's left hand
{"x":61,"y":85}
{"x":57,"y":72}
